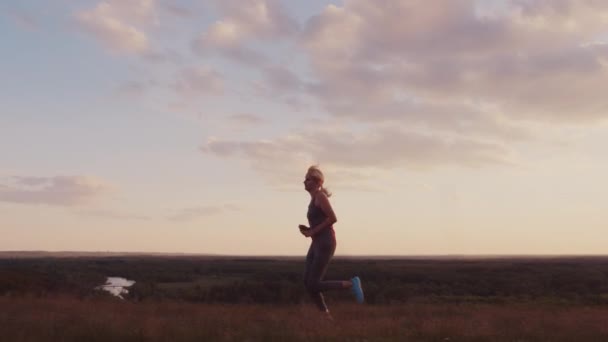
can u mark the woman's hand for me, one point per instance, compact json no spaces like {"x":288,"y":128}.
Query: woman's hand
{"x":306,"y":231}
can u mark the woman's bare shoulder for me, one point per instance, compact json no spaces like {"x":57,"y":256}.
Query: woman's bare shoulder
{"x":321,"y":197}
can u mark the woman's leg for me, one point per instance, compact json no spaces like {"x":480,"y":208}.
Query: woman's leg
{"x":317,"y":260}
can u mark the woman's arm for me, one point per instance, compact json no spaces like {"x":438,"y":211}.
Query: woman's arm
{"x":322,"y":201}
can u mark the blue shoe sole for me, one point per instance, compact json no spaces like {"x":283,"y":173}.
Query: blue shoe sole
{"x":357,"y":290}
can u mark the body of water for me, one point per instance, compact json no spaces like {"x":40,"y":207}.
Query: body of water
{"x":116,"y":286}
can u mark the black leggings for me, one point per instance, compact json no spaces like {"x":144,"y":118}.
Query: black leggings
{"x":319,"y":254}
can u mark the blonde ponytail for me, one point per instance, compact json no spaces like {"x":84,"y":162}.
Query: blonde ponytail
{"x":325,"y":191}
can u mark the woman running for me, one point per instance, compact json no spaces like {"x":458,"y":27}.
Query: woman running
{"x":321,"y":218}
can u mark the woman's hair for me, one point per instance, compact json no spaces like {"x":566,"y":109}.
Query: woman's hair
{"x":315,"y":172}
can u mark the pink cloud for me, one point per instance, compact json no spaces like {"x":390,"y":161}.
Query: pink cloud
{"x":241,"y":23}
{"x":118,"y":24}
{"x":528,"y":60}
{"x":194,"y":213}
{"x":59,"y":190}
{"x":192,"y":82}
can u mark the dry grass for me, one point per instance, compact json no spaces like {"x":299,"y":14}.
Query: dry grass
{"x":105,"y":319}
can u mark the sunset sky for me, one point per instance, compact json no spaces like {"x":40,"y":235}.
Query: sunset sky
{"x":443,"y":127}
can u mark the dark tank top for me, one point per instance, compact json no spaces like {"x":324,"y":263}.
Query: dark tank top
{"x":315,"y":216}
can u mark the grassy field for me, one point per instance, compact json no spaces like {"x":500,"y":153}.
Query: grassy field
{"x":262,"y":299}
{"x":105,"y":319}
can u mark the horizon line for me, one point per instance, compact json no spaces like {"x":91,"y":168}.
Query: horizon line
{"x":33,"y":253}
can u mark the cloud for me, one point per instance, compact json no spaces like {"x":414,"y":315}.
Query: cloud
{"x":113,"y":215}
{"x":527,"y":59}
{"x":57,"y":191}
{"x":376,"y":147}
{"x":282,"y":79}
{"x":419,"y":85}
{"x":247,"y":119}
{"x":118,"y":24}
{"x":163,"y":56}
{"x":278,"y":83}
{"x":197,"y":81}
{"x":261,"y":19}
{"x":231,"y":50}
{"x":177,"y":10}
{"x":242,"y":23}
{"x":194,"y":213}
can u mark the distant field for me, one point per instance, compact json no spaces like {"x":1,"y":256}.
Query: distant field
{"x":262,"y":299}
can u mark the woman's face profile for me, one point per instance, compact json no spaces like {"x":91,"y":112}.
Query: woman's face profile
{"x":310,"y":182}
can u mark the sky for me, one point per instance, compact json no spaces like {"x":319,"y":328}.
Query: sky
{"x":456,"y":127}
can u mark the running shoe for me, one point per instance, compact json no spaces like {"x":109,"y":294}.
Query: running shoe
{"x":357,"y":290}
